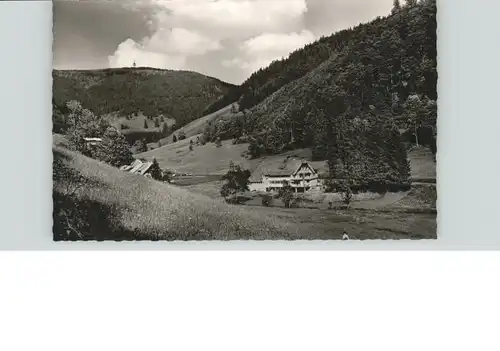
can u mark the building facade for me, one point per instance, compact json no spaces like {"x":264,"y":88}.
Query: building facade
{"x":302,"y":178}
{"x":91,"y":142}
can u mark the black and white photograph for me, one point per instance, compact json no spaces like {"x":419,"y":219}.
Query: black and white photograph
{"x":196,"y":120}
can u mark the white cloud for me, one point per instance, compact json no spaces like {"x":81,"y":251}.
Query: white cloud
{"x":165,"y":48}
{"x":180,"y":41}
{"x":232,"y":18}
{"x":277,"y":42}
{"x":260,"y":51}
{"x":129,"y":52}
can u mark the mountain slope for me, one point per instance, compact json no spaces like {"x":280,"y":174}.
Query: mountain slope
{"x":94,"y":201}
{"x":267,"y":80}
{"x":264,"y":82}
{"x":386,"y":59}
{"x":178,"y":95}
{"x":395,"y":55}
{"x":357,"y":94}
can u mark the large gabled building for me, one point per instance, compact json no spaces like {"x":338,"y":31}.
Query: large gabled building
{"x":300,"y":174}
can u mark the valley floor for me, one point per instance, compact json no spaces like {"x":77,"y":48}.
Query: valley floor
{"x":408,"y":215}
{"x":359,"y":225}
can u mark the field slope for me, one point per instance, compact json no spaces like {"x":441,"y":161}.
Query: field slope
{"x":203,"y":160}
{"x":197,"y":127}
{"x":211,"y":160}
{"x":95,"y":201}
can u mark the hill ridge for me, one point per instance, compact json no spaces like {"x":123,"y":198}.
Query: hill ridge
{"x":180,"y":95}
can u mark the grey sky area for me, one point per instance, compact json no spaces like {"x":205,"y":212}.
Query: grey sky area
{"x":227,"y":39}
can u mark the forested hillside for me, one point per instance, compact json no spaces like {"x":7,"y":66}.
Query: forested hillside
{"x":179,"y":95}
{"x":345,"y":92}
{"x":266,"y":81}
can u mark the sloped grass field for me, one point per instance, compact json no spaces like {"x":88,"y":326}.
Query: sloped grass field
{"x":146,"y":209}
{"x":197,"y":126}
{"x":211,"y":160}
{"x":206,"y":159}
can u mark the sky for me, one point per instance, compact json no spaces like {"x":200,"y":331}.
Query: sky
{"x":226,"y":39}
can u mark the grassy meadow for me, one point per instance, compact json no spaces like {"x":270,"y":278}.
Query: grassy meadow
{"x":146,"y":209}
{"x":197,"y":126}
{"x":211,"y":160}
{"x":206,"y":159}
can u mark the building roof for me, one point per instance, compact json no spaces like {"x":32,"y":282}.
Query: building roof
{"x":137,"y":167}
{"x":285,"y":169}
{"x":142,"y":169}
{"x":145,"y":168}
{"x":129,"y":167}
